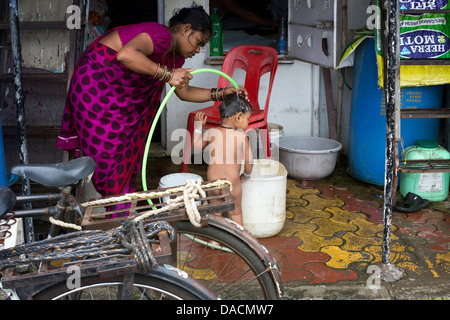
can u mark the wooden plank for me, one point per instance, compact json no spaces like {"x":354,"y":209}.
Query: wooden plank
{"x":417,"y":12}
{"x":419,"y":62}
{"x":330,"y":103}
{"x":36,"y":77}
{"x":416,"y":166}
{"x":91,"y":267}
{"x":4,"y":25}
{"x":426,"y":113}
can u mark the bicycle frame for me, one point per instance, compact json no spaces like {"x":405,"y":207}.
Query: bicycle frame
{"x":64,"y":199}
{"x":166,"y":251}
{"x":117,"y":265}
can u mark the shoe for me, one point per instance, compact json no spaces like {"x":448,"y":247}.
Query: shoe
{"x":411,"y":203}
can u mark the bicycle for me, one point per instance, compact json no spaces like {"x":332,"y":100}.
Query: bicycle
{"x":238,"y":252}
{"x":116,"y":276}
{"x":122,"y":271}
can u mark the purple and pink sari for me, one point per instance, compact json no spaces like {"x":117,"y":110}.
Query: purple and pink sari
{"x":109,"y":109}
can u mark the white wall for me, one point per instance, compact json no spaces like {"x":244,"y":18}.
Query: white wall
{"x":294,"y":100}
{"x":298,"y":100}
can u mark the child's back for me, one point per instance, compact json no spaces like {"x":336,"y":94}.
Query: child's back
{"x":228,"y":148}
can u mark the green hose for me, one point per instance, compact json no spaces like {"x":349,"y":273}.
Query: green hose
{"x":158,"y":114}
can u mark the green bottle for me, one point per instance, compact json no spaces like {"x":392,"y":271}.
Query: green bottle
{"x":216,"y":41}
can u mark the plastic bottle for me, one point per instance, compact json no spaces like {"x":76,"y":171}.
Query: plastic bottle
{"x":216,"y":41}
{"x":282,"y":41}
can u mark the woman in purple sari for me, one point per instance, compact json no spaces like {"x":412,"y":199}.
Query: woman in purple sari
{"x":116,"y":89}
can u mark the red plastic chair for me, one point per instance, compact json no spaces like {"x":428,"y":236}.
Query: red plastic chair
{"x":255,"y":61}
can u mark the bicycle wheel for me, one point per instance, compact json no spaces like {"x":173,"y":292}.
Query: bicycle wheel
{"x":162,"y":283}
{"x":238,"y":267}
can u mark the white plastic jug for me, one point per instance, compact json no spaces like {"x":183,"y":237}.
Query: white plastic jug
{"x":264,"y":199}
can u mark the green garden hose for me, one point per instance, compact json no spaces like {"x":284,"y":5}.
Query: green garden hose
{"x":158,"y":114}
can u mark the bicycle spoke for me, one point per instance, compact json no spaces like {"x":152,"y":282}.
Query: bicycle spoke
{"x":244,"y":284}
{"x":219,"y":267}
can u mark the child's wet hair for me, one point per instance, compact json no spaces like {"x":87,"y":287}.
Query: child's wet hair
{"x":233,"y":104}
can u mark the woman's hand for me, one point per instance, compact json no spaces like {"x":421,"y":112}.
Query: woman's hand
{"x":181,"y":77}
{"x":242,"y":92}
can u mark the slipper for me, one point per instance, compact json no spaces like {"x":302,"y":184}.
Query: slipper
{"x":412,"y":203}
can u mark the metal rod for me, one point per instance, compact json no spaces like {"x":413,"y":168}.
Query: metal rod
{"x":392,"y":88}
{"x":341,"y":80}
{"x":37,"y":212}
{"x":20,"y":110}
{"x":163,"y":122}
{"x":38,"y":197}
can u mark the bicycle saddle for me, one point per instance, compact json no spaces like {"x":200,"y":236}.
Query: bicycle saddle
{"x":7,"y":200}
{"x":58,"y":174}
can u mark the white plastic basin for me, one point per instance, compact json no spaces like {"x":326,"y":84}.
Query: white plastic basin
{"x":175,"y":180}
{"x":308,"y":158}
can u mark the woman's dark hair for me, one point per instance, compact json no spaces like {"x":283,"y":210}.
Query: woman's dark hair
{"x":233,"y":104}
{"x":196,"y":16}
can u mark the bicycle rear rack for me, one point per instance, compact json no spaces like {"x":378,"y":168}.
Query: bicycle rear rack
{"x":26,"y":267}
{"x":98,"y":216}
{"x":218,"y":199}
{"x":51,"y":272}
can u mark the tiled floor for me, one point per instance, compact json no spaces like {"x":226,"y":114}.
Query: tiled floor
{"x":333,"y":233}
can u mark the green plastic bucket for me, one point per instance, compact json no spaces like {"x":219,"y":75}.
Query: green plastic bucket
{"x":432,"y":186}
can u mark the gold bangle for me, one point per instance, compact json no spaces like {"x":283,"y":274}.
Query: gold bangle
{"x":212,"y":94}
{"x":157,"y":71}
{"x":216,"y":96}
{"x":222,"y":94}
{"x":163,"y":73}
{"x":160,"y":73}
{"x":166,"y":75}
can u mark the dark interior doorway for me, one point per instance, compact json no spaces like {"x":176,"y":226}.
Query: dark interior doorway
{"x":130,"y":12}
